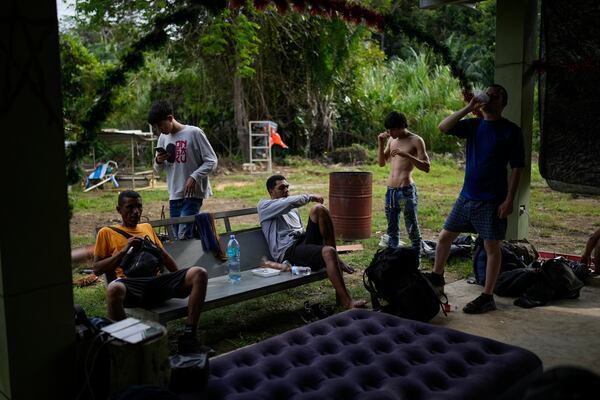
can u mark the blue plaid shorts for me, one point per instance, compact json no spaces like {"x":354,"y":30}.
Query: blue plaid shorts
{"x":480,"y":217}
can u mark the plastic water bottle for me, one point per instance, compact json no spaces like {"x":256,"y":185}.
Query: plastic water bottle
{"x":296,"y":270}
{"x":233,"y":257}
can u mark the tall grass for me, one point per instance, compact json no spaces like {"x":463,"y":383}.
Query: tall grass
{"x":425,"y":92}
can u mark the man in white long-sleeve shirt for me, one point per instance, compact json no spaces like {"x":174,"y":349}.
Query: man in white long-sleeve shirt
{"x":187,"y":156}
{"x":281,"y":224}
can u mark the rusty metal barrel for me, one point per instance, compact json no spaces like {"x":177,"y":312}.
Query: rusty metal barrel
{"x":350,"y":198}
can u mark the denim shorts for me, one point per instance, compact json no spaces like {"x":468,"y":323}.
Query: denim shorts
{"x":480,"y":217}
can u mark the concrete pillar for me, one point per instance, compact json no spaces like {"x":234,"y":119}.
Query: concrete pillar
{"x":516,"y":33}
{"x":36,"y":299}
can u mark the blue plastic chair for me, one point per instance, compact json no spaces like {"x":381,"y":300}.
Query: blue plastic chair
{"x":104,"y":172}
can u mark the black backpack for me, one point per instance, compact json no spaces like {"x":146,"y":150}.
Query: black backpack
{"x":561,"y":278}
{"x":141,"y":261}
{"x":394,"y":276}
{"x":516,"y":282}
{"x":542,"y":282}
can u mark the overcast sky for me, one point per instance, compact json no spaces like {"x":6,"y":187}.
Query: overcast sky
{"x":64,"y":9}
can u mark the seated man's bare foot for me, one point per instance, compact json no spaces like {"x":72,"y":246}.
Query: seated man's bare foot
{"x":346,"y":268}
{"x":356,"y":304}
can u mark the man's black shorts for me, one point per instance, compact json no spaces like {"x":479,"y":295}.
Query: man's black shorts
{"x":307,"y":250}
{"x":149,"y":292}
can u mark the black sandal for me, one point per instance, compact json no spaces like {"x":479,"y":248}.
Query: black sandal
{"x":308,"y":314}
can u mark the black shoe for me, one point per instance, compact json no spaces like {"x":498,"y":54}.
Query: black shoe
{"x":437,"y":281}
{"x":480,"y":305}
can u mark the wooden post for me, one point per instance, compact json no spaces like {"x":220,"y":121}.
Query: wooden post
{"x":132,"y":165}
{"x":152,"y":176}
{"x":516,"y":22}
{"x":37,"y":330}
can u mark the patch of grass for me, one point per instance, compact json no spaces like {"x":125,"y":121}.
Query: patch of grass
{"x":91,"y":298}
{"x":105,"y":200}
{"x":82,"y":240}
{"x":237,"y":325}
{"x":250,"y":191}
{"x":297,"y":162}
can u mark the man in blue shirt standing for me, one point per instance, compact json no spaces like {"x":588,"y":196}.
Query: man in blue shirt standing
{"x":487,"y":195}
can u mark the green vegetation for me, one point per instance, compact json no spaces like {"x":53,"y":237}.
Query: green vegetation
{"x":327,"y":83}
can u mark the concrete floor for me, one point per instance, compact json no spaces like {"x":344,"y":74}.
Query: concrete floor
{"x":567,"y":332}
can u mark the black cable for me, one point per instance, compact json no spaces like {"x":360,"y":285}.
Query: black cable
{"x":107,"y":341}
{"x":85,"y":360}
{"x":87,"y":384}
{"x":85,"y":364}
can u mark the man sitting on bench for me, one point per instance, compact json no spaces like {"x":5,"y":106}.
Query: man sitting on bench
{"x":112,"y":245}
{"x":280,"y":222}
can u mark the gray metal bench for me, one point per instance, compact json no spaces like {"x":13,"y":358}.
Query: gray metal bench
{"x":220,"y":291}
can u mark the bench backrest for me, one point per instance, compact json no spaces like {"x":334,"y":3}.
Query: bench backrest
{"x":253,"y":247}
{"x":224,"y":215}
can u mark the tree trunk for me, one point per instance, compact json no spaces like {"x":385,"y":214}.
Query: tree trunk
{"x":321,"y":112}
{"x":240,"y":117}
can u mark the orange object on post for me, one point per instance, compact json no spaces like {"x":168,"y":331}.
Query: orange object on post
{"x":276,"y":139}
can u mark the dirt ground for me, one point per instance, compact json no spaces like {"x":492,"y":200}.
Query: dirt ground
{"x":567,"y":241}
{"x":85,"y":223}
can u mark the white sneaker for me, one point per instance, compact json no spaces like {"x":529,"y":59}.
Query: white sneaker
{"x":426,"y":249}
{"x":383,"y":242}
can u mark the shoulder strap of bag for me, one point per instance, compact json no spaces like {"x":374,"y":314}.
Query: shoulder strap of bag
{"x":372,"y":291}
{"x":120,"y":231}
{"x":127,"y":235}
{"x":443,"y":302}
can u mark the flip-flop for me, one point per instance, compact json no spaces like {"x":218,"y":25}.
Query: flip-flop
{"x":346,"y":268}
{"x":307,"y":314}
{"x":322,"y":311}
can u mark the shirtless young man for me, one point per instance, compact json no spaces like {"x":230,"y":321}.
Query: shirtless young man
{"x":405,"y":150}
